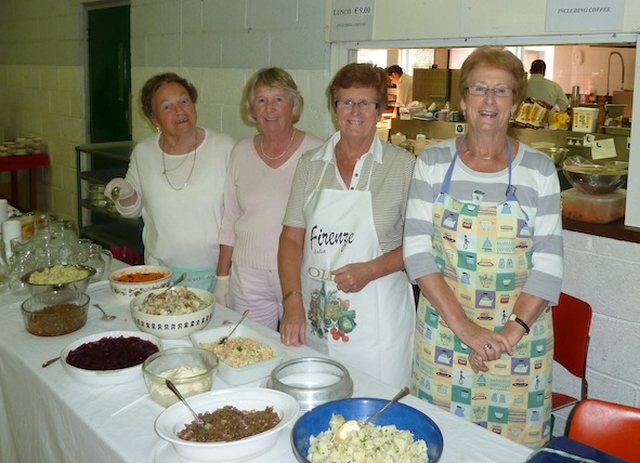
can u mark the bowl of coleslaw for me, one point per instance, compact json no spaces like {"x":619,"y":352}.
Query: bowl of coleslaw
{"x":173,"y":314}
{"x":247,"y":356}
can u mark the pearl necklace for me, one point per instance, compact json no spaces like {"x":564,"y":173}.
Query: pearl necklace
{"x":164,"y":166}
{"x":281,"y":154}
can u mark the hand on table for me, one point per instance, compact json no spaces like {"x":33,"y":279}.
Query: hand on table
{"x":293,"y":325}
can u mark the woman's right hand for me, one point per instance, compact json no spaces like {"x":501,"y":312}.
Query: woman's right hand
{"x":125,"y":190}
{"x":293,"y":323}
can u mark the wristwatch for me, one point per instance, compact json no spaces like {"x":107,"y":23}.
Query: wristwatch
{"x":514,"y":318}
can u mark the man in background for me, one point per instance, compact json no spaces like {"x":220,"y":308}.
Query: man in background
{"x":404,"y":84}
{"x":543,"y":89}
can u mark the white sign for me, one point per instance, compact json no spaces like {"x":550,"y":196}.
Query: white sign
{"x":584,"y":15}
{"x":351,"y":20}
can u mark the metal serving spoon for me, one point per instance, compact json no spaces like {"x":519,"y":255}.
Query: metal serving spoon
{"x":50,"y":361}
{"x":355,"y":425}
{"x":224,"y":339}
{"x":105,"y":315}
{"x":175,"y":390}
{"x":151,"y":296}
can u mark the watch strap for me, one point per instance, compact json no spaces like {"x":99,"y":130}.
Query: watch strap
{"x":514,"y":318}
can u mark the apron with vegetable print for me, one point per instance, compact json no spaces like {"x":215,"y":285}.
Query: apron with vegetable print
{"x":484,"y":253}
{"x":372,"y":329}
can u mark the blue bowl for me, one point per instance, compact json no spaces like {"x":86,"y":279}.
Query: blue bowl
{"x":404,"y":417}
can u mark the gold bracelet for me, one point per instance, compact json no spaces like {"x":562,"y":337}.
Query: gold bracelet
{"x":291,"y":293}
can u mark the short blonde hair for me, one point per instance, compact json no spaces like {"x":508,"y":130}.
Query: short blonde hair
{"x":273,"y":78}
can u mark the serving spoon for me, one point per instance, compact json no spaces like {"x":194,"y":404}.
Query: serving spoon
{"x":354,"y":425}
{"x":175,"y":390}
{"x":224,"y":339}
{"x":105,"y":315}
{"x":151,"y":296}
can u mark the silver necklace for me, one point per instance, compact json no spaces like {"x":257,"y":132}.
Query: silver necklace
{"x":281,"y":154}
{"x":164,"y":166}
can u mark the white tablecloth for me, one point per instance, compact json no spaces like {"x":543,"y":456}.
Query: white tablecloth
{"x":47,"y":417}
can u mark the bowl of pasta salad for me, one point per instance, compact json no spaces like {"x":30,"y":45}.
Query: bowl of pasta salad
{"x":401,"y":433}
{"x":173,"y":314}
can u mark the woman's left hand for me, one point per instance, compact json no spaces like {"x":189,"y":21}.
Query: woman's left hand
{"x":353,"y":277}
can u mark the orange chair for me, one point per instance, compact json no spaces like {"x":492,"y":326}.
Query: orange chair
{"x":607,"y":426}
{"x":571,"y":323}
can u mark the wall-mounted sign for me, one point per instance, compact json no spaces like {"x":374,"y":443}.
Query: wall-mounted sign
{"x":351,"y":20}
{"x":584,"y":15}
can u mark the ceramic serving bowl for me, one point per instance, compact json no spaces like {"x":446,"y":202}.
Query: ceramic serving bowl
{"x":180,"y":321}
{"x":312,"y":381}
{"x":402,"y":416}
{"x":129,"y":282}
{"x":190,"y":369}
{"x":58,"y":277}
{"x":176,"y":417}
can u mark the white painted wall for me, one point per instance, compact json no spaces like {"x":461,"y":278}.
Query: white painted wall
{"x":217,"y":44}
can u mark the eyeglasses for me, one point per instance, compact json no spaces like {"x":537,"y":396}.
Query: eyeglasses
{"x":363,"y":105}
{"x":481,"y":90}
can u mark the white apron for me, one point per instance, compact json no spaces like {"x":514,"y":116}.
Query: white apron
{"x":363,"y":329}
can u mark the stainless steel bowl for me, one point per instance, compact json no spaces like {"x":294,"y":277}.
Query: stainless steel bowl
{"x":595,"y":179}
{"x":312,"y":381}
{"x":77,"y":285}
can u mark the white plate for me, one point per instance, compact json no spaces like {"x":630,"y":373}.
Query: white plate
{"x":105,"y":377}
{"x":281,"y":452}
{"x":248,"y":373}
{"x":174,"y":418}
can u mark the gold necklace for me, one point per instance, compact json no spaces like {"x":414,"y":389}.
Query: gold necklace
{"x":164,"y":166}
{"x":281,"y":154}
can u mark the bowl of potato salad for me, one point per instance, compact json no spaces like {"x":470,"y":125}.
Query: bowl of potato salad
{"x":400,"y":434}
{"x":173,"y":314}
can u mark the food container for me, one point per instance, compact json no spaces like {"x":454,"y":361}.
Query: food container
{"x":593,"y":208}
{"x":80,"y":284}
{"x":173,"y":326}
{"x":173,"y":420}
{"x":190,"y":369}
{"x":139,"y":280}
{"x":404,"y":417}
{"x":111,"y":376}
{"x":312,"y":381}
{"x":55,"y":313}
{"x":241,"y":374}
{"x":584,"y":119}
{"x":532,"y":113}
{"x":595,"y":179}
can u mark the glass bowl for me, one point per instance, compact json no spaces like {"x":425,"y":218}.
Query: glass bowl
{"x":55,"y":313}
{"x":190,"y":369}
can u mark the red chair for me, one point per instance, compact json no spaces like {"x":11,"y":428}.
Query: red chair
{"x":607,"y":426}
{"x":571,"y":323}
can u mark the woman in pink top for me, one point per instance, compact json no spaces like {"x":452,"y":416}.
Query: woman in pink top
{"x":256,"y":192}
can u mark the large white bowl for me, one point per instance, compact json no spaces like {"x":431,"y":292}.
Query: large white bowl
{"x":173,"y":326}
{"x":175,"y":418}
{"x":248,"y":373}
{"x":124,"y":292}
{"x":105,"y":377}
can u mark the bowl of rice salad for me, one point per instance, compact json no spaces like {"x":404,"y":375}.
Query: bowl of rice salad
{"x":247,"y":356}
{"x":173,"y":314}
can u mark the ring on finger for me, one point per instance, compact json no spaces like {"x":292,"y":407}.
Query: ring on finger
{"x":487,"y":346}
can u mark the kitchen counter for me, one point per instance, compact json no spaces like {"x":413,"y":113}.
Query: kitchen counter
{"x":47,"y":416}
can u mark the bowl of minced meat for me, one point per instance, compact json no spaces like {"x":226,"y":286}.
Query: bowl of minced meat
{"x":57,"y":277}
{"x":258,"y":416}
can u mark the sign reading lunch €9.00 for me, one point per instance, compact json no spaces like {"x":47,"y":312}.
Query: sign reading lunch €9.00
{"x":351,"y":20}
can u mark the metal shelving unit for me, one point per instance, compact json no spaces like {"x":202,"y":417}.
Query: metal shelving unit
{"x":97,"y":163}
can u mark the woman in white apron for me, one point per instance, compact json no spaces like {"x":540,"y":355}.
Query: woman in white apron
{"x":340,"y":258}
{"x":483,"y":240}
